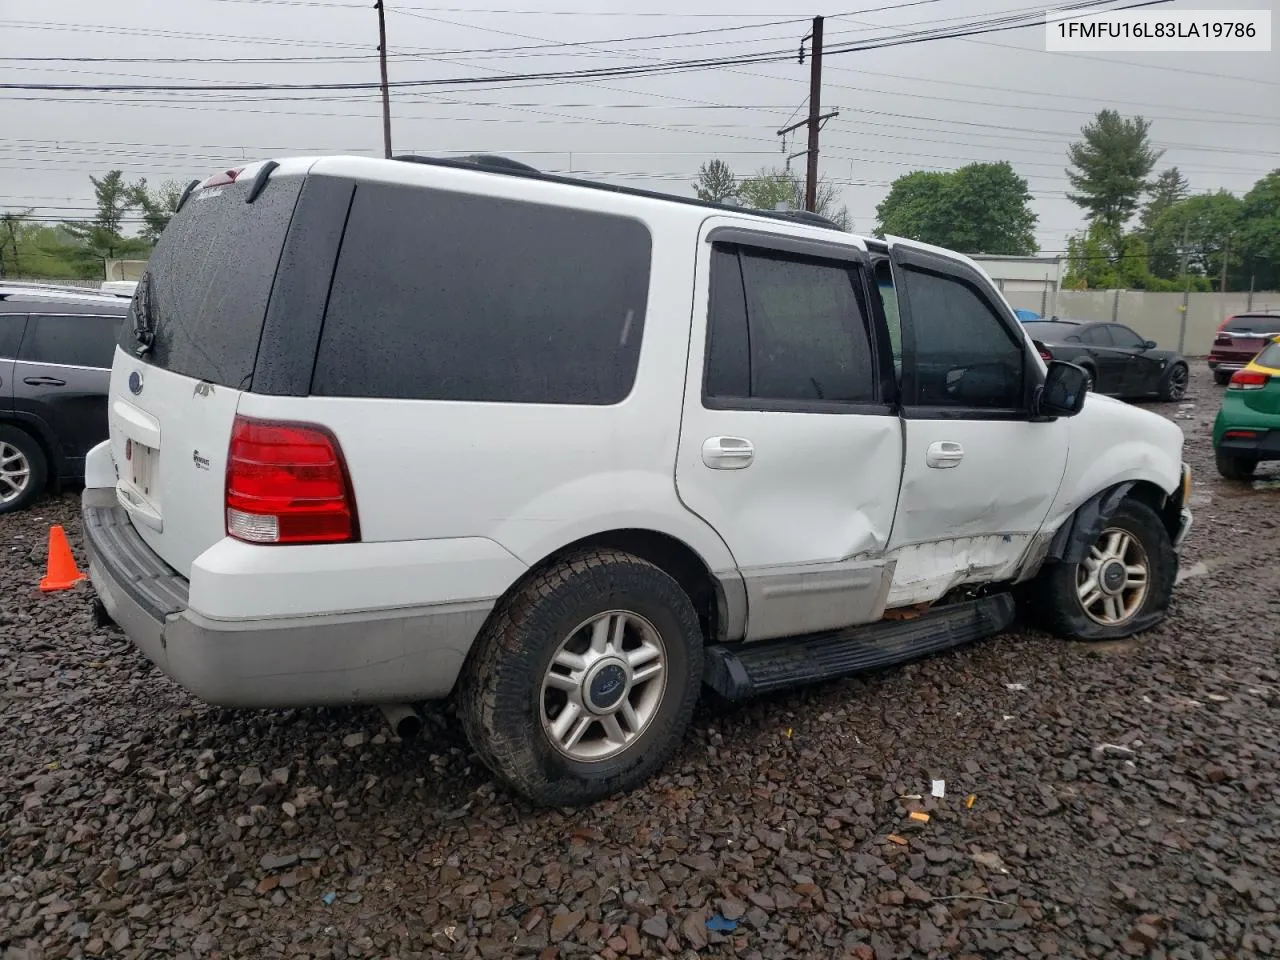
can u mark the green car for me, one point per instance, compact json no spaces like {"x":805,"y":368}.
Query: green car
{"x":1247,"y":430}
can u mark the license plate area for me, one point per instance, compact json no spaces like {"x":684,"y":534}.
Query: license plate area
{"x":141,"y":469}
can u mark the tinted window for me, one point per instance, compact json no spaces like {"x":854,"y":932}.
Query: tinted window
{"x":1269,"y":356}
{"x":205,"y":290}
{"x":1126,"y":338}
{"x":1254,"y":323}
{"x":1097,"y":337}
{"x":803,"y":333}
{"x":889,"y":300}
{"x":11,"y":325}
{"x":964,"y":356}
{"x":448,"y":296}
{"x":83,"y":341}
{"x":1049,"y":332}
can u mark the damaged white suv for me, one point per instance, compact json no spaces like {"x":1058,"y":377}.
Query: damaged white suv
{"x":390,"y":431}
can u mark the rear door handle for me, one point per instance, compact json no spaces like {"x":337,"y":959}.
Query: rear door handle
{"x":44,"y":382}
{"x":943,"y":454}
{"x":727,"y":453}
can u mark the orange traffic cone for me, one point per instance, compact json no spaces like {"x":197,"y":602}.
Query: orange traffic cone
{"x":62,"y":573}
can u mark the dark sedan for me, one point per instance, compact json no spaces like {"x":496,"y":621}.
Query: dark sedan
{"x":1120,"y":363}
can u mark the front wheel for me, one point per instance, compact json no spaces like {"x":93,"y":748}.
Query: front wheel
{"x":1239,"y":469}
{"x":1173,"y":386}
{"x":1123,"y":584}
{"x":583,"y":682}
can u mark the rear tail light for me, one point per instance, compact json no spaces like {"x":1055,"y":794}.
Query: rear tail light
{"x":1240,"y":435}
{"x":1045,"y":355}
{"x":288,"y":483}
{"x":1248,"y":380}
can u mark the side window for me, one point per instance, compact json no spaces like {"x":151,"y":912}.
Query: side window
{"x":1097,"y":337}
{"x":449,"y":296}
{"x":78,"y":341}
{"x":805,"y":335}
{"x":1126,"y":338}
{"x":963,"y":354}
{"x":893,"y":319}
{"x":11,"y":325}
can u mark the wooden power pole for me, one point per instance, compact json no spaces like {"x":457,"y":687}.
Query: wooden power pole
{"x":386,"y":95}
{"x":814,"y":120}
{"x":815,"y":114}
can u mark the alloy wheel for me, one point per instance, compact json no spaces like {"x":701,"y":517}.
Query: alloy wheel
{"x":1112,"y":581}
{"x":15,"y":472}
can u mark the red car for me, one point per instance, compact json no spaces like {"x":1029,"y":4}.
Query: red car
{"x":1238,"y":341}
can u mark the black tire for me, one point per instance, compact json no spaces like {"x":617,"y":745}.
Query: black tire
{"x":1173,"y":385}
{"x":1092,"y":374}
{"x":1239,"y":469}
{"x":1222,"y":377}
{"x":500,"y":695}
{"x":1057,"y":602}
{"x":37,"y":473}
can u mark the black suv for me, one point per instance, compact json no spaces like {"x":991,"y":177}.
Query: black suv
{"x":55,"y":368}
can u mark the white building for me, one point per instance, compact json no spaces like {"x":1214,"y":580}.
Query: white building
{"x":1029,"y":283}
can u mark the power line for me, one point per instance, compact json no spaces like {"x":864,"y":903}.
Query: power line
{"x":659,"y":67}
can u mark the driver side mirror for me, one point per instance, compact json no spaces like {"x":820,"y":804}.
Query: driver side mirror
{"x":1065,"y":387}
{"x":1149,"y":344}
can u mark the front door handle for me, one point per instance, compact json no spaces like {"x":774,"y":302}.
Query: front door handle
{"x":727,"y":453}
{"x":44,"y":382}
{"x":943,"y":454}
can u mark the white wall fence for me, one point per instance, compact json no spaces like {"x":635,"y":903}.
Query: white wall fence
{"x":1156,"y":316}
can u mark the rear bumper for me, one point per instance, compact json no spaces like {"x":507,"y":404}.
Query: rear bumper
{"x":1263,"y":445}
{"x":329,"y":660}
{"x":1226,"y":363}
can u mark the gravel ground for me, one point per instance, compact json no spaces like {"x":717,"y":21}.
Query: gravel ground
{"x":1119,"y":800}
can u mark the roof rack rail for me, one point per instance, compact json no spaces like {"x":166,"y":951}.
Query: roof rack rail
{"x":493,"y":163}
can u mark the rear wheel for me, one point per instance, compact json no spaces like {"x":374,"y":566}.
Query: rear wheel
{"x":1123,"y":584}
{"x":1239,"y":469}
{"x":583,"y":682}
{"x":23,"y":469}
{"x":1174,"y":384}
{"x":1222,"y":377}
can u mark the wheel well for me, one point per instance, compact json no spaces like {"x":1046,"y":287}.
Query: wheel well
{"x":671,"y":556}
{"x":50,"y":463}
{"x":1166,"y":506}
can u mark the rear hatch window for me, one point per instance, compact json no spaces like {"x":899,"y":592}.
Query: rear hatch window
{"x":1261,"y":324}
{"x":199,"y":309}
{"x":1269,"y":357}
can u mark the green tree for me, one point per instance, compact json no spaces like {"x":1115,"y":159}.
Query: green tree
{"x":979,"y":208}
{"x":100,"y":239}
{"x":769,"y":188}
{"x":1258,"y":239}
{"x":157,"y":207}
{"x":1166,"y":190}
{"x":1109,"y":170}
{"x":716,"y":182}
{"x":11,"y":245}
{"x":1209,"y":221}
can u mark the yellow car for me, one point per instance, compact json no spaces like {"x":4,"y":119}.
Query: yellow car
{"x":1247,"y":430}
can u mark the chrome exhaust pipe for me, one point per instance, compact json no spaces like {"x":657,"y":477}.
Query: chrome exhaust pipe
{"x":403,"y":720}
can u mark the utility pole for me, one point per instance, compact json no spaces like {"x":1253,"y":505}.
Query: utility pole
{"x":1186,"y":289}
{"x":1226,"y":252}
{"x":815,"y":112}
{"x":382,"y":62}
{"x":815,"y":119}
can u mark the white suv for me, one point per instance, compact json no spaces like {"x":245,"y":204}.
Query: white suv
{"x":385,"y":432}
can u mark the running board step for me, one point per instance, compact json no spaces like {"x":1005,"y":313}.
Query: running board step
{"x":742,"y":671}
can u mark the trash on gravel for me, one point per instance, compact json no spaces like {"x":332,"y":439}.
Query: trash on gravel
{"x":911,"y":796}
{"x":919,"y":815}
{"x":720,"y":925}
{"x":970,"y":801}
{"x":991,"y":861}
{"x":894,"y":838}
{"x":1103,"y":749}
{"x":939,"y":788}
{"x":328,"y":899}
{"x":1015,"y":686}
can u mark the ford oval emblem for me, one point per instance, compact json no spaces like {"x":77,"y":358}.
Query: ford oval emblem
{"x":135,"y":383}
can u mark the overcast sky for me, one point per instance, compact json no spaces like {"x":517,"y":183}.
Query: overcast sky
{"x":935,"y":105}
